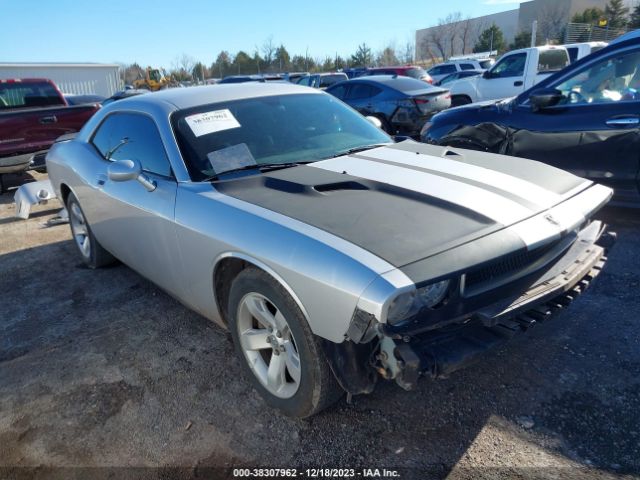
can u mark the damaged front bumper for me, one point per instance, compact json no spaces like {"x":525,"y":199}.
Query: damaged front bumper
{"x":435,"y":354}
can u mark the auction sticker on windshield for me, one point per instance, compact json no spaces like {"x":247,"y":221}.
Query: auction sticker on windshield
{"x":210,"y":122}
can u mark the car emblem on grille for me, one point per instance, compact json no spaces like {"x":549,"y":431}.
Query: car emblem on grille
{"x":551,"y":220}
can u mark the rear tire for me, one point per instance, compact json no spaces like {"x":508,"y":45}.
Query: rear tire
{"x":92,"y":253}
{"x":276,"y":348}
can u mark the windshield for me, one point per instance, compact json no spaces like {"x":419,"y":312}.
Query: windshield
{"x":269,"y":130}
{"x":486,"y":64}
{"x":155,"y":75}
{"x":28,"y":94}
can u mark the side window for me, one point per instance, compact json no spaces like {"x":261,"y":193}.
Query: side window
{"x":466,"y":66}
{"x":306,"y":81}
{"x":131,"y":136}
{"x":338,"y":91}
{"x":552,"y":61}
{"x":511,"y":66}
{"x":613,"y":79}
{"x":361,"y":90}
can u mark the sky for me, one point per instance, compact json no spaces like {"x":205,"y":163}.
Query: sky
{"x":158,"y":32}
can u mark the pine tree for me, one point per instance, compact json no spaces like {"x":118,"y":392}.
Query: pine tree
{"x":634,"y":20}
{"x":616,"y":13}
{"x":490,"y":39}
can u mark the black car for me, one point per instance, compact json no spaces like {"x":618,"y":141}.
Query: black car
{"x":402,"y":104}
{"x":585,"y":119}
{"x":82,"y":99}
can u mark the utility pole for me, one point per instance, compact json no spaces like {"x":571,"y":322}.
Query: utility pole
{"x":534,"y":33}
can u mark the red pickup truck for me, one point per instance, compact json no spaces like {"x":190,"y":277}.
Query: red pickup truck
{"x":33,"y":114}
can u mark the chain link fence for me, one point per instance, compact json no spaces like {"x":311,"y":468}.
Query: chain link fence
{"x":585,"y":32}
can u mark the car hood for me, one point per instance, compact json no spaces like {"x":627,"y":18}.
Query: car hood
{"x":409,"y":201}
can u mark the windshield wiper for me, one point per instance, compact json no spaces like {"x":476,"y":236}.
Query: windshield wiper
{"x":361,"y":148}
{"x":263,"y":167}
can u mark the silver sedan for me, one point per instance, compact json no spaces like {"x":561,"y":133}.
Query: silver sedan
{"x":334,"y":255}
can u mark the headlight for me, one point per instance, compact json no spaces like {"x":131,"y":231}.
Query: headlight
{"x":407,"y":304}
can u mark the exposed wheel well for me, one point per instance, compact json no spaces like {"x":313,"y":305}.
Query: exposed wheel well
{"x":226,"y":270}
{"x":64,"y":191}
{"x":458,"y":100}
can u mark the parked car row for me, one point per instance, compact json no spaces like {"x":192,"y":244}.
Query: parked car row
{"x":584,"y":119}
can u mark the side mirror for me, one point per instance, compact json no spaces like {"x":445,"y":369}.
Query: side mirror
{"x":125,"y":170}
{"x":374,"y":120}
{"x":487,"y":74}
{"x":544,"y":98}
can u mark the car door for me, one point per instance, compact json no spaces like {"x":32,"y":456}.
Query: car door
{"x":361,"y":97}
{"x":505,"y":79}
{"x":595,"y":131}
{"x":134,"y":224}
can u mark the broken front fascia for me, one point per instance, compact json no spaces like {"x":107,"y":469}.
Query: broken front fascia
{"x":34,"y":193}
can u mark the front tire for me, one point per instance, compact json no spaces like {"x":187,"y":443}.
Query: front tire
{"x":277,"y":350}
{"x":92,"y":253}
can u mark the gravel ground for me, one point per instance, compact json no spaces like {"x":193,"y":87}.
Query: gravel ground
{"x":102,"y":369}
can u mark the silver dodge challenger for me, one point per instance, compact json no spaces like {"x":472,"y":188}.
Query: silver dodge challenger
{"x":334,"y":256}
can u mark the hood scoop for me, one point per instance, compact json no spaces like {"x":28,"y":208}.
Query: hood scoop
{"x":289,"y":186}
{"x":334,"y":187}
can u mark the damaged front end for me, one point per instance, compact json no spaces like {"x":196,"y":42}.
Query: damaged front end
{"x":485,"y":307}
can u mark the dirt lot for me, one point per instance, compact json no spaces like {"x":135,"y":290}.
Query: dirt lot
{"x":102,"y":369}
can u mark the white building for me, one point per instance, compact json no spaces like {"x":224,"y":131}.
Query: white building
{"x":77,"y":78}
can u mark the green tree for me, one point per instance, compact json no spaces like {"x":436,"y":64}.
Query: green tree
{"x":242,"y":64}
{"x":362,"y":57}
{"x":634,"y":20}
{"x":590,"y":15}
{"x":490,"y":39}
{"x":522,"y":40}
{"x":222,"y":65}
{"x":199,"y":71}
{"x":616,"y":13}
{"x":282,"y":59}
{"x":387,"y":57}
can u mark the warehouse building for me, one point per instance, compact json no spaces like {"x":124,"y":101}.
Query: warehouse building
{"x":458,"y":38}
{"x":74,"y":78}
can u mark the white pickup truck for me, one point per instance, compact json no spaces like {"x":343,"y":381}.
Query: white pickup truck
{"x":513,"y":73}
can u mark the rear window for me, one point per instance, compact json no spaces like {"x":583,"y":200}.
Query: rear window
{"x":328,"y":80}
{"x":552,"y":60}
{"x":406,"y":84}
{"x":442,"y":70}
{"x":32,"y":94}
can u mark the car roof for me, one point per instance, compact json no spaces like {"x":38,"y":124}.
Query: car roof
{"x":627,"y":36}
{"x":202,"y":95}
{"x":392,"y":67}
{"x":399,"y":83}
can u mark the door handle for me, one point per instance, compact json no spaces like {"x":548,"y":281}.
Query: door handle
{"x":518,"y":83}
{"x":49,"y":119}
{"x":624,"y":122}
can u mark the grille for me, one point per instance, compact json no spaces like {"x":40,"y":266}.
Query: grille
{"x":508,"y":265}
